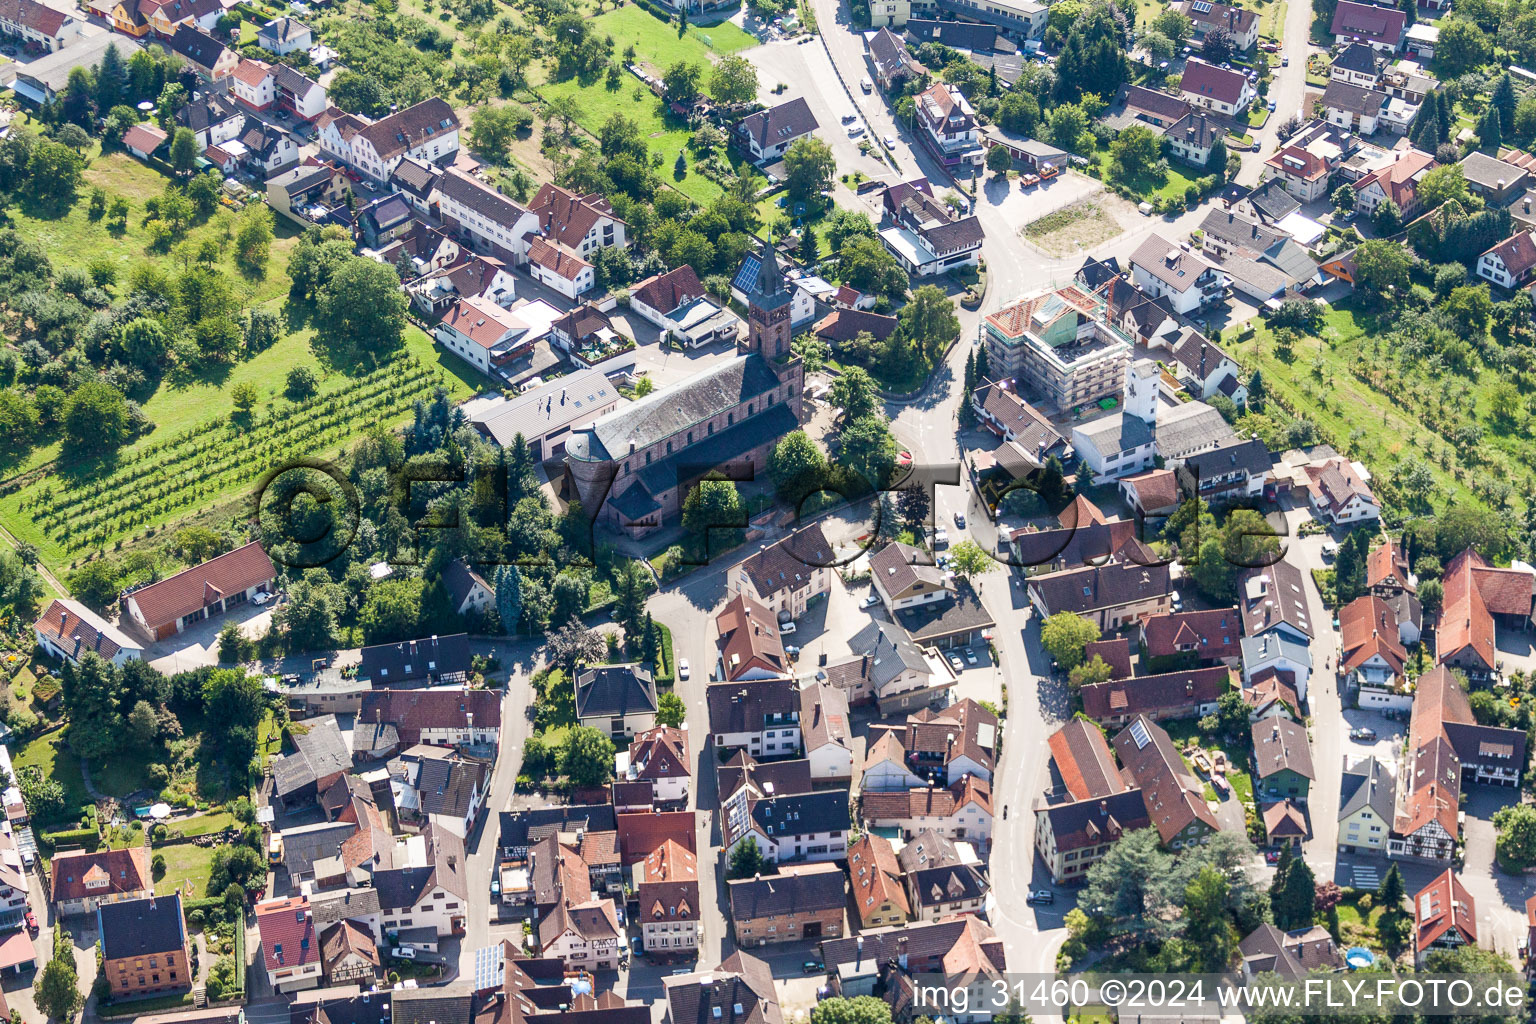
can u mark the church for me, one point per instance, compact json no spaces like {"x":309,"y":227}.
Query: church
{"x":636,"y":464}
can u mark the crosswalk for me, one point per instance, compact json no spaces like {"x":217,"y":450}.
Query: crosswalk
{"x":1365,"y":876}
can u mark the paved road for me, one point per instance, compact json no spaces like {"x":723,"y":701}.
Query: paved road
{"x":1287,"y":87}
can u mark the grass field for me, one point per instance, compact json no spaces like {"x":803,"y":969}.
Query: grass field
{"x":184,"y":862}
{"x":1082,"y":225}
{"x":657,"y":47}
{"x":1379,"y":428}
{"x":58,"y":763}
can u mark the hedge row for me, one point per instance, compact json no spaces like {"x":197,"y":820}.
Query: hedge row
{"x":74,"y":835}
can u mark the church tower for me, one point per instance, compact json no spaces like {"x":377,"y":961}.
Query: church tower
{"x":768,"y":329}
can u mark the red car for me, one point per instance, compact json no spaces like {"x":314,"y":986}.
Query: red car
{"x":31,"y":922}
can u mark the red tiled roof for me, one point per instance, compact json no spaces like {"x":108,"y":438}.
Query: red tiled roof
{"x":660,"y":753}
{"x":665,"y":292}
{"x":164,"y":602}
{"x":567,"y":217}
{"x":481,"y":321}
{"x":1386,"y":564}
{"x":749,"y":635}
{"x":1396,"y":178}
{"x":1370,"y":629}
{"x":557,"y":258}
{"x":145,"y":138}
{"x":1083,"y":758}
{"x":1368,"y":22}
{"x":1517,"y":252}
{"x":252,"y":72}
{"x":287,"y":933}
{"x":75,"y":629}
{"x":1116,"y":653}
{"x":1442,"y":905}
{"x":642,"y":834}
{"x":1158,"y":488}
{"x":1212,"y":81}
{"x":1212,"y":635}
{"x":125,"y":871}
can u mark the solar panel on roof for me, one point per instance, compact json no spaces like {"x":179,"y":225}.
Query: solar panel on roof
{"x":1140,"y":735}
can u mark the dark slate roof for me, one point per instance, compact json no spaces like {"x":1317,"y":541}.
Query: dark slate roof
{"x":789,"y":563}
{"x":742,"y":706}
{"x":1357,"y":57}
{"x":141,"y":927}
{"x":1354,"y":99}
{"x":1272,"y":200}
{"x":747,"y":433}
{"x":415,"y":177}
{"x":414,"y":660}
{"x":776,"y":124}
{"x":801,"y":813}
{"x":1097,"y":273}
{"x":1250,"y":456}
{"x":365,"y":1009}
{"x":951,"y":884}
{"x":197,"y":46}
{"x":615,"y":690}
{"x":207,"y":109}
{"x":934,"y":620}
{"x":1196,"y":130}
{"x":803,"y":892}
{"x":1264,"y":952}
{"x":1368,"y":784}
{"x":1101,"y":586}
{"x":321,"y":751}
{"x":409,"y":127}
{"x":740,"y":991}
{"x":889,"y":53}
{"x":961,"y":35}
{"x":672,"y":410}
{"x":431,"y":1006}
{"x":522,"y":828}
{"x":480,"y":197}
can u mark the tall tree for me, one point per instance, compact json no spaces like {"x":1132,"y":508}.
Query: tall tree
{"x":1505,"y":101}
{"x":1294,"y":902}
{"x":183,"y":152}
{"x":509,"y":597}
{"x":112,"y":79}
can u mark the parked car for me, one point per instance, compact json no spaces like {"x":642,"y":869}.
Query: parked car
{"x":1175,"y":601}
{"x":866,"y":84}
{"x":785,"y":629}
{"x":1362,"y":733}
{"x":403,"y":953}
{"x":1271,"y":857}
{"x":31,"y":922}
{"x":1285,"y":62}
{"x":855,"y":130}
{"x":954,"y":660}
{"x":889,"y":140}
{"x":682,"y":668}
{"x":850,"y":117}
{"x":792,"y":651}
{"x":960,"y":520}
{"x":1040,"y":896}
{"x":970,"y":656}
{"x":1272,"y":105}
{"x":870,"y":601}
{"x":1029,"y":180}
{"x":1330,"y":549}
{"x":940,"y":537}
{"x":261,"y":598}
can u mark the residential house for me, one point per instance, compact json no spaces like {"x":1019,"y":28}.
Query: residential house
{"x":948,"y":127}
{"x":443,"y":717}
{"x":1071,"y":837}
{"x":1189,"y":281}
{"x":962,"y":954}
{"x":619,"y":700}
{"x":1444,"y":917}
{"x":1282,"y":761}
{"x":417,"y":181}
{"x":883,"y":13}
{"x":767,"y":134}
{"x":841,"y":326}
{"x":1205,"y":637}
{"x":213,"y":118}
{"x":1291,"y":955}
{"x":1339,"y":491}
{"x":1272,"y":694}
{"x":305,"y":192}
{"x":517,"y":830}
{"x":82,"y":881}
{"x":926,"y":236}
{"x":559,"y":269}
{"x":433,"y":785}
{"x":891,"y":669}
{"x":320,"y":758}
{"x":349,"y":955}
{"x":1214,"y":88}
{"x":1372,"y":650}
{"x":667,"y":885}
{"x":281,"y":36}
{"x":1199,"y":360}
{"x":1153,"y":109}
{"x":825,"y":724}
{"x":739,"y":990}
{"x":878,"y":893}
{"x":892,"y":63}
{"x":1083,"y":762}
{"x":1281,"y":652}
{"x":784,"y":577}
{"x":1303,"y":172}
{"x":39,"y":26}
{"x":483,"y":216}
{"x":886,"y":767}
{"x":430,"y":661}
{"x":68,"y":630}
{"x":1002,"y":411}
{"x":1367,"y":804}
{"x":1047,"y":551}
{"x":1242,"y":25}
{"x":1511,"y":263}
{"x":1420,"y":40}
{"x":469,"y":277}
{"x":1272,"y":600}
{"x":166,"y":607}
{"x":427,"y":886}
{"x":1386,"y":569}
{"x":1498,"y":182}
{"x":677,"y":303}
{"x":1234,"y":471}
{"x":143,"y":946}
{"x":206,"y":55}
{"x":1189,"y":693}
{"x":960,"y":811}
{"x":583,"y":935}
{"x":1397,"y":181}
{"x":289,"y":951}
{"x":428,"y":131}
{"x":751,"y":647}
{"x":787,"y":827}
{"x":943,"y":879}
{"x":943,"y":747}
{"x":659,"y":756}
{"x":1192,"y":137}
{"x":1061,"y":342}
{"x":761,"y":716}
{"x":1354,"y":108}
{"x":904,"y":576}
{"x":483,"y":334}
{"x":580,"y":224}
{"x":1173,"y":797}
{"x":1357,"y":64}
{"x":801,"y":901}
{"x":1478,"y":598}
{"x":260,"y":86}
{"x":1380,"y":28}
{"x":1447,"y":749}
{"x":1153,"y":494}
{"x":1109,"y":596}
{"x":143,"y":139}
{"x":1268,"y":203}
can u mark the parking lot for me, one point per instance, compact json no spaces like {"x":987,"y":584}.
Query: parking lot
{"x":1019,"y":207}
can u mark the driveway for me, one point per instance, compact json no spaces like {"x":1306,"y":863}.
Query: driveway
{"x":198,"y":646}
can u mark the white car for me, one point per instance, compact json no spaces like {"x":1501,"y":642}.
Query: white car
{"x":855,"y":130}
{"x":682,"y":668}
{"x":889,"y":140}
{"x":955,"y":662}
{"x":866,"y":84}
{"x":261,"y":598}
{"x":870,"y":601}
{"x":940,"y":537}
{"x":787,"y":628}
{"x":970,"y":656}
{"x":403,"y":953}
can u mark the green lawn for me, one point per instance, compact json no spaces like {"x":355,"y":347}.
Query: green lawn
{"x":656,"y":42}
{"x":61,"y":765}
{"x":184,"y":862}
{"x":1364,"y":403}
